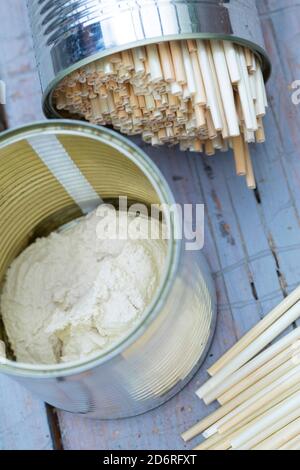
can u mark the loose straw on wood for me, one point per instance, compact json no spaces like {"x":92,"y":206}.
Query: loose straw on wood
{"x":270,"y":430}
{"x":220,"y":441}
{"x":249,"y":352}
{"x":240,"y":398}
{"x":264,"y":418}
{"x":197,"y":94}
{"x":282,"y":359}
{"x":276,"y":376}
{"x":259,"y":389}
{"x":258,"y":361}
{"x":263,"y":398}
{"x":276,"y":313}
{"x":223,"y":441}
{"x":256,"y":421}
{"x":294,"y":444}
{"x":281,"y":437}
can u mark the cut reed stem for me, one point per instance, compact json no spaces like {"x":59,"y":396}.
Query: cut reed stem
{"x":270,"y":430}
{"x":239,"y":156}
{"x":293,"y":444}
{"x":250,"y":351}
{"x":240,"y":399}
{"x":284,"y":358}
{"x":280,"y":438}
{"x":253,"y":334}
{"x":272,"y":416}
{"x":262,"y":398}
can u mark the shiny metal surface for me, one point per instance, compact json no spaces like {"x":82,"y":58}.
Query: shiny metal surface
{"x":166,"y":349}
{"x":71,"y":33}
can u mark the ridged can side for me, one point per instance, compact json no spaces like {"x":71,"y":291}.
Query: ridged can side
{"x":42,"y":193}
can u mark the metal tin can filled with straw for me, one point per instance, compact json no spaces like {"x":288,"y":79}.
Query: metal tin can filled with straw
{"x":68,"y":35}
{"x":187,"y":73}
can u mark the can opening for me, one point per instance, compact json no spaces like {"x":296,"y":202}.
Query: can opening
{"x":38,"y":197}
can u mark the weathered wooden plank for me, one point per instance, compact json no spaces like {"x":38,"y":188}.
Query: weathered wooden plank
{"x":228,"y":239}
{"x":258,"y":255}
{"x":179,"y":171}
{"x":246,"y":225}
{"x":277,"y":162}
{"x":18,"y":66}
{"x":23,"y":419}
{"x":282,"y":33}
{"x":244,"y":236}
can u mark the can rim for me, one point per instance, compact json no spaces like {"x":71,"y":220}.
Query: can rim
{"x":153,"y":173}
{"x":47,"y":99}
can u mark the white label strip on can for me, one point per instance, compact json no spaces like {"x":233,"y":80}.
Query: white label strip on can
{"x":60,"y":164}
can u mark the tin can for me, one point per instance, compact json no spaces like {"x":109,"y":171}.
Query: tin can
{"x":69,"y":34}
{"x":51,"y":173}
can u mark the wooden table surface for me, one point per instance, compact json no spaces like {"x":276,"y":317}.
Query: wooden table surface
{"x":252,"y":237}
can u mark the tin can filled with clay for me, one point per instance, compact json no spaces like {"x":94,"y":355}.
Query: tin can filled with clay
{"x":137,"y":319}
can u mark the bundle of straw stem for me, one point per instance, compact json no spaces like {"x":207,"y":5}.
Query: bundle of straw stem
{"x":203,"y":95}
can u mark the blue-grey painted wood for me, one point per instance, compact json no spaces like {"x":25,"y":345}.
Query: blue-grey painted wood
{"x":280,"y":160}
{"x":18,"y":66}
{"x":251,"y":240}
{"x":23,"y":419}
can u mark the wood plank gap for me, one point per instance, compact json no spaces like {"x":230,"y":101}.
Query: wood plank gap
{"x":54,"y":427}
{"x":257,"y":195}
{"x":3,"y":119}
{"x":245,"y":250}
{"x":217,"y":254}
{"x":282,"y":281}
